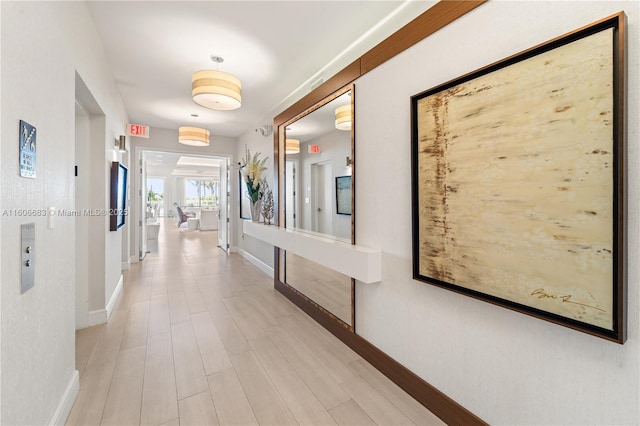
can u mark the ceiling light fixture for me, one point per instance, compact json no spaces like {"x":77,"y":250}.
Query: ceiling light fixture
{"x":215,"y":89}
{"x":198,"y":161}
{"x":343,"y":117}
{"x":292,"y":146}
{"x":193,"y":136}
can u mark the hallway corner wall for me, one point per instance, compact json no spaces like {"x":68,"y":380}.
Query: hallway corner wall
{"x":44,"y":44}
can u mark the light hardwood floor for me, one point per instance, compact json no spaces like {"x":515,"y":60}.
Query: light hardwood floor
{"x":199,"y":337}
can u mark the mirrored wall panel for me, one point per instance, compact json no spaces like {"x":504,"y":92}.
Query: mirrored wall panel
{"x":329,"y":289}
{"x":318,"y":197}
{"x":318,"y":170}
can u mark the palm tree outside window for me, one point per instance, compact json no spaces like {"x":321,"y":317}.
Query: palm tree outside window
{"x":204,"y":193}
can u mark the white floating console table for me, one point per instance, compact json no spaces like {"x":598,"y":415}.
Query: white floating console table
{"x":361,"y":263}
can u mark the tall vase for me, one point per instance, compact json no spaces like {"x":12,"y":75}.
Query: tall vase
{"x":255,"y":210}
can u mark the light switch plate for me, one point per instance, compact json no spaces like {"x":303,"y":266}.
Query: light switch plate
{"x":51,"y":218}
{"x":28,"y":256}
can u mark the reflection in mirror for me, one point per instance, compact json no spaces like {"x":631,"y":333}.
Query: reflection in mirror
{"x":319,"y":198}
{"x":329,"y":289}
{"x":318,"y":154}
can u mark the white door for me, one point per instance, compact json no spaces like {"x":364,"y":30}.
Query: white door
{"x":290,"y":194}
{"x":143,"y":207}
{"x":223,"y":225}
{"x":322,"y":206}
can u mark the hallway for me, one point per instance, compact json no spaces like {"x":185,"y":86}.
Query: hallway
{"x":199,"y":337}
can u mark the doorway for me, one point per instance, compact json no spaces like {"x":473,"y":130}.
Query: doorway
{"x":195,"y":184}
{"x":290,"y":194}
{"x":89,"y":193}
{"x":321,"y":205}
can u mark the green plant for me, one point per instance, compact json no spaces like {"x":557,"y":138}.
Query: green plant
{"x":154,"y":196}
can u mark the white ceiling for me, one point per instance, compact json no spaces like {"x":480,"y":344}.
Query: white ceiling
{"x":273,"y":47}
{"x":318,"y":122}
{"x":163,"y":164}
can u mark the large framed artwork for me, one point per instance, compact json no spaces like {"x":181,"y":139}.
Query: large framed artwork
{"x":518,"y":182}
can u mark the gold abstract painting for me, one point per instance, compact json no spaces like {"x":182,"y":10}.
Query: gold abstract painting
{"x":514,"y":182}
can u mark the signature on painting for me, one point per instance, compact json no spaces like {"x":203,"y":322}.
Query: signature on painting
{"x":542,"y":294}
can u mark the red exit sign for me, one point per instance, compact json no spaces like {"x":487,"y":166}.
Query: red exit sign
{"x":138,"y":130}
{"x":314,"y":149}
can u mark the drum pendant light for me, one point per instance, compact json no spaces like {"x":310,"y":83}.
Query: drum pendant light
{"x":193,"y":136}
{"x":215,"y":89}
{"x":292,"y":146}
{"x":343,"y":117}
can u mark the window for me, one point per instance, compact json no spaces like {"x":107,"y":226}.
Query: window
{"x":155,"y":197}
{"x":202,"y":192}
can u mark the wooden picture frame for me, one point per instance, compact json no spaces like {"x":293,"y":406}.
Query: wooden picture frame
{"x":343,"y":195}
{"x":518,"y":182}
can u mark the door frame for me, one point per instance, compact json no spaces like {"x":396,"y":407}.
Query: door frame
{"x":139,"y":216}
{"x":327,"y":166}
{"x":224,"y":208}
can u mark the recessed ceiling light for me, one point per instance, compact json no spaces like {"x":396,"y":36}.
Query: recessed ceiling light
{"x":198,"y":161}
{"x":183,"y":172}
{"x":195,"y":173}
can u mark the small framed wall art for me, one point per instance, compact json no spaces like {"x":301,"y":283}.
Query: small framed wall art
{"x":27,"y":148}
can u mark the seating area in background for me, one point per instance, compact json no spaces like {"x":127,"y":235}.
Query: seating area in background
{"x":201,"y":218}
{"x":184,"y":217}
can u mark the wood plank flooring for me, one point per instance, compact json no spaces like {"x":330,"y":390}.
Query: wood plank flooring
{"x":199,"y":337}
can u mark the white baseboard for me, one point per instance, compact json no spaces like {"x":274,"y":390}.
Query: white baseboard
{"x":101,"y":316}
{"x":124,"y":266}
{"x":66,"y":402}
{"x":96,"y":317}
{"x":133,"y":259}
{"x":254,"y":260}
{"x":114,"y":296}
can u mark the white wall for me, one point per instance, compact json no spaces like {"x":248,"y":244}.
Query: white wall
{"x":43,"y":45}
{"x":167,"y":140}
{"x":506,"y":367}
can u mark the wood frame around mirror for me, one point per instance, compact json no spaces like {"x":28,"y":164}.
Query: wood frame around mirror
{"x":433,"y":19}
{"x":279,"y":150}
